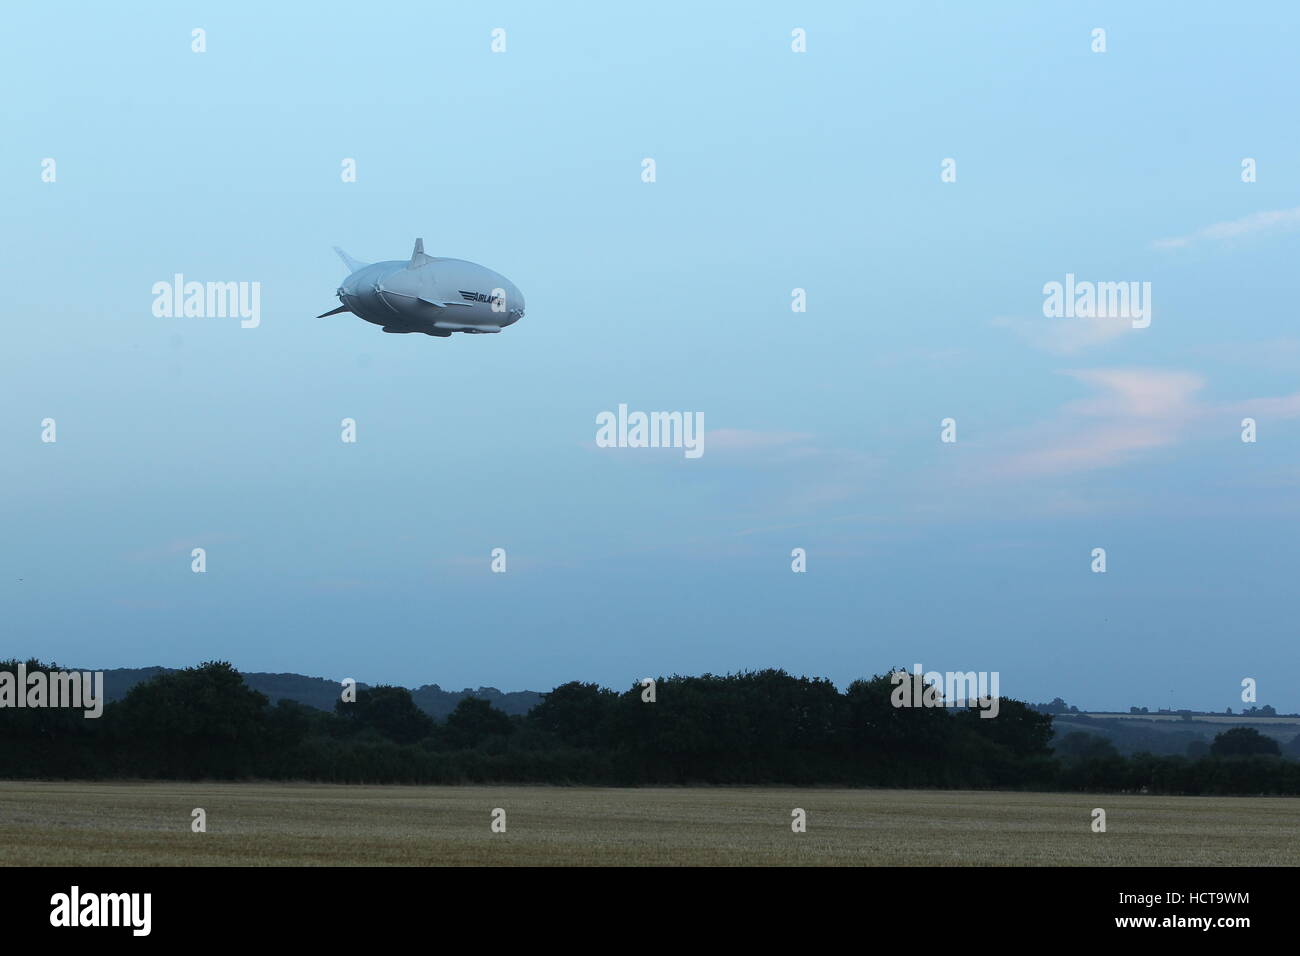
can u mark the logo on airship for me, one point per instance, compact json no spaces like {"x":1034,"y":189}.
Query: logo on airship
{"x":479,"y":297}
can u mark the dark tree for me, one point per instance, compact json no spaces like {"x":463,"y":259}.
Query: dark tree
{"x":475,"y":720}
{"x":198,"y":722}
{"x":388,"y":711}
{"x":575,"y":712}
{"x":1243,"y":741}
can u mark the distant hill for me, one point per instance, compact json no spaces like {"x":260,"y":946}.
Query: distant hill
{"x":1170,"y":734}
{"x":321,"y":693}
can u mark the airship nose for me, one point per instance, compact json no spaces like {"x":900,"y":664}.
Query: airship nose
{"x":399,"y":288}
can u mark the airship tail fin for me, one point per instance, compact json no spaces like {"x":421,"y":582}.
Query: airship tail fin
{"x":342,"y":308}
{"x":418,"y":258}
{"x":352,"y":264}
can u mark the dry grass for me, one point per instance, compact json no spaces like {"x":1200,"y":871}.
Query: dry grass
{"x":148,"y":824}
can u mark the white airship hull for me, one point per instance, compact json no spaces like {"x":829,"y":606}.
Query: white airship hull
{"x":429,"y":294}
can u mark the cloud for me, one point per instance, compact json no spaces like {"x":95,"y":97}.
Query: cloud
{"x":1275,"y":353}
{"x":1256,"y":222}
{"x":743,"y":440}
{"x":1142,"y":394}
{"x":170,"y":549}
{"x":342,"y":585}
{"x":1135,"y":410}
{"x":1132,"y":411}
{"x":1065,"y":336}
{"x":799,"y":474}
{"x":913,"y":357}
{"x":1287,"y":406}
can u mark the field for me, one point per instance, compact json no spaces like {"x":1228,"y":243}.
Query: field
{"x":149,"y":824}
{"x":1284,"y":726}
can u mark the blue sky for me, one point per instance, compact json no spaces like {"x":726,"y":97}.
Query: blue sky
{"x":775,"y":170}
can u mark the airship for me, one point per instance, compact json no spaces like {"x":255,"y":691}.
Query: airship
{"x":428,"y":294}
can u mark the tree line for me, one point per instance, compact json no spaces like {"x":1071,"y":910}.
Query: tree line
{"x":762,"y":727}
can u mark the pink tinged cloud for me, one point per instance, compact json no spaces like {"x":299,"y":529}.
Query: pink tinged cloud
{"x":1287,"y":406}
{"x":1135,"y":411}
{"x":1138,"y":393}
{"x":1065,"y":336}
